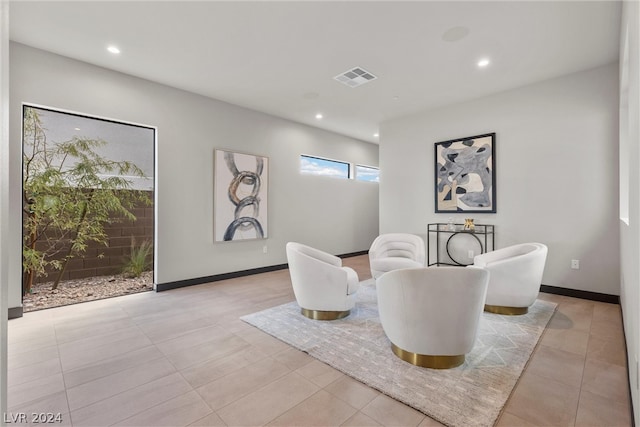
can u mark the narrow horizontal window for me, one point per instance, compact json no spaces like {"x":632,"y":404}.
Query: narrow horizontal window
{"x":367,"y":173}
{"x":324,"y":167}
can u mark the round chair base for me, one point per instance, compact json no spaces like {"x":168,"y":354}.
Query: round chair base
{"x":428,"y":361}
{"x":510,"y":311}
{"x":324,"y":315}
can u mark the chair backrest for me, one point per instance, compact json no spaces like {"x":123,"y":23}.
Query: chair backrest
{"x":403,"y":245}
{"x":521,"y":250}
{"x":294,"y":248}
{"x":433,"y":311}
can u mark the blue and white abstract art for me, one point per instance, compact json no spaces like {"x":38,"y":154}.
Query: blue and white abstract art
{"x":465,"y":178}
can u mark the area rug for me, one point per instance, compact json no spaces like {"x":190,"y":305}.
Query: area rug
{"x":472,"y":394}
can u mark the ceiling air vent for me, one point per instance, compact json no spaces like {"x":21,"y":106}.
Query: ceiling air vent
{"x":355,"y":77}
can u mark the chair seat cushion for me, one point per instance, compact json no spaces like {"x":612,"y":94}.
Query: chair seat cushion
{"x":394,"y":263}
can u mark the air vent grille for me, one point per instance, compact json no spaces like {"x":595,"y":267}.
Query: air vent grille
{"x":355,"y":77}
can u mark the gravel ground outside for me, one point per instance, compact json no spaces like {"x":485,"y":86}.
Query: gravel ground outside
{"x":82,"y":290}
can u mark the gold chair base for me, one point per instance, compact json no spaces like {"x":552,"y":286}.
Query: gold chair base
{"x":510,"y":311}
{"x":428,"y":361}
{"x":324,"y":315}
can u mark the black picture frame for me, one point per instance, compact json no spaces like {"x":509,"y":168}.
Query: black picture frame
{"x":465,"y":175}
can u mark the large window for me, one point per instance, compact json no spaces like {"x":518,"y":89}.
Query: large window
{"x":324,"y":167}
{"x":367,"y":173}
{"x":88,"y":191}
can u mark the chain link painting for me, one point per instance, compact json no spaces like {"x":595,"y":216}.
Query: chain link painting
{"x":240,"y":196}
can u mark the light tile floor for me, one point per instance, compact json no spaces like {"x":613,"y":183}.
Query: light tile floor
{"x":183,"y":357}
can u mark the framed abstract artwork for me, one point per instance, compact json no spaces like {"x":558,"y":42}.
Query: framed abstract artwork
{"x":465,"y":175}
{"x":240,"y":196}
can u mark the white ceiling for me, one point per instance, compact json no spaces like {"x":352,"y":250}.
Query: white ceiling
{"x":280,"y":57}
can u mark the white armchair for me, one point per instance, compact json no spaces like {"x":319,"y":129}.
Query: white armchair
{"x":324,"y":289}
{"x":394,"y":251}
{"x":431,"y":315}
{"x":516,"y":274}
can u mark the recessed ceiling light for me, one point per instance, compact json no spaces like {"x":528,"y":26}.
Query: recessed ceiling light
{"x":113,"y":49}
{"x":483,"y":62}
{"x":318,"y":116}
{"x":76,"y":128}
{"x":375,"y":135}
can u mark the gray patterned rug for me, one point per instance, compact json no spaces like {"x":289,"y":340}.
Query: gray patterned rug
{"x":472,"y":394}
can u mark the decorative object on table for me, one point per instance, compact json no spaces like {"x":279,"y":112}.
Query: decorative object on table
{"x":450,"y":225}
{"x":516,"y":274}
{"x":324,"y":289}
{"x":457,"y":247}
{"x":472,"y":394}
{"x":465,"y":179}
{"x":240,"y":196}
{"x":468,"y":224}
{"x":393,"y":251}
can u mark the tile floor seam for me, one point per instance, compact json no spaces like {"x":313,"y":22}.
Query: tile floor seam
{"x":239,"y":397}
{"x":71,"y":371}
{"x":149,"y":380}
{"x":179,"y":336}
{"x":254,"y":390}
{"x":215,"y":379}
{"x":309,"y":397}
{"x":71,"y":419}
{"x":269,"y":384}
{"x":195,"y":389}
{"x":96,"y":362}
{"x":166,"y":399}
{"x":342,"y":400}
{"x":66,"y":389}
{"x":196,"y":363}
{"x":13,"y":408}
{"x":292,"y":408}
{"x":38,"y":398}
{"x":162,"y":403}
{"x":584,"y":366}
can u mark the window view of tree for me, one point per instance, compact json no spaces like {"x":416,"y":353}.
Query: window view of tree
{"x":71,"y":191}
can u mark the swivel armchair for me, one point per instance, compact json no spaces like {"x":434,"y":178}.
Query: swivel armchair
{"x":431,"y":315}
{"x":516,"y":274}
{"x":395,"y":251}
{"x":324,"y":289}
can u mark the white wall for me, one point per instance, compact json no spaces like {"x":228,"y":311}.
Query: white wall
{"x":556,"y":169}
{"x":335,"y":215}
{"x":4,"y":197}
{"x":629,"y":184}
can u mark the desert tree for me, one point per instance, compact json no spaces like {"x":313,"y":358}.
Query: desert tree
{"x":70,"y":192}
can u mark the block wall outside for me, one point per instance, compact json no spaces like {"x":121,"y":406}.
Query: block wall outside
{"x":115,"y":253}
